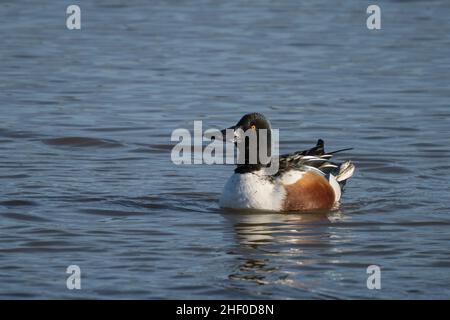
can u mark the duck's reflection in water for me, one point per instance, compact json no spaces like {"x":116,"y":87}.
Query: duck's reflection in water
{"x":274,"y":248}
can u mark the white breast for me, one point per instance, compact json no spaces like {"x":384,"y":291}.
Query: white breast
{"x":252,"y":191}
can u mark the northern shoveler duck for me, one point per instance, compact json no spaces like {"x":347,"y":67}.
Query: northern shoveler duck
{"x":306,"y":180}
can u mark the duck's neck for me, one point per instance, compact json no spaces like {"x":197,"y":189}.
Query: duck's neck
{"x":246,"y":162}
{"x":248,"y":168}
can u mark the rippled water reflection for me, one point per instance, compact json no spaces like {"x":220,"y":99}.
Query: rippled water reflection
{"x":85,"y":167}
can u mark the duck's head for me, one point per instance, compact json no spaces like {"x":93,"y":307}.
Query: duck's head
{"x":251,"y":135}
{"x":251,"y":121}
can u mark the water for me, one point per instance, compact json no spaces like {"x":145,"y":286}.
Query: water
{"x":86,"y":176}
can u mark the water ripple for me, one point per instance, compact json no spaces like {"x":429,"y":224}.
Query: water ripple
{"x":80,"y":142}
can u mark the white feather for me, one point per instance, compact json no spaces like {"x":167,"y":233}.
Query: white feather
{"x":336,"y":188}
{"x":252,"y":191}
{"x":291,"y":177}
{"x":346,"y":171}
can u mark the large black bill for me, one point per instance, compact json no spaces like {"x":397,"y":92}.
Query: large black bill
{"x":231,"y":134}
{"x":223,"y":134}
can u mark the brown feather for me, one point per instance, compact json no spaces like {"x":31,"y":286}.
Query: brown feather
{"x":311,"y":192}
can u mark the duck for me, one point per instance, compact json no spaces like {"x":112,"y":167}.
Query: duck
{"x":304,"y":180}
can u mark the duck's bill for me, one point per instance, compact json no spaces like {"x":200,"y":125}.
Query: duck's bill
{"x":227,"y":134}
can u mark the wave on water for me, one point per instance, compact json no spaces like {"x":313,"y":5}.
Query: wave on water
{"x":81,"y":142}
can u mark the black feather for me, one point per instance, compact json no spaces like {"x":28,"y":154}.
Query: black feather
{"x":315,"y":157}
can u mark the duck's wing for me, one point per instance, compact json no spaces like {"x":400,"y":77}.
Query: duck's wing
{"x":313,"y":159}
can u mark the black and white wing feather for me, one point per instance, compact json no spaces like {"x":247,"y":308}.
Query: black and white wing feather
{"x":317,"y":159}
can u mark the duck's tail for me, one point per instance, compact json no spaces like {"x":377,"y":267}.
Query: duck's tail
{"x":346,"y":170}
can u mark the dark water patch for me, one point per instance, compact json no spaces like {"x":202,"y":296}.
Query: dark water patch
{"x":131,"y":203}
{"x":39,"y":102}
{"x":80,"y":142}
{"x":162,"y":146}
{"x":188,"y":201}
{"x":423,"y":223}
{"x":440,"y":153}
{"x":20,"y":295}
{"x":17,"y":203}
{"x":396,"y":128}
{"x":373,"y":253}
{"x":154,"y":148}
{"x":24,"y":217}
{"x":425,"y":144}
{"x":35,"y":250}
{"x":79,"y":199}
{"x":314,"y":44}
{"x":19,"y":134}
{"x":15,"y":176}
{"x":149,"y":150}
{"x":190,"y":195}
{"x":116,"y":129}
{"x":44,"y":244}
{"x":150,"y":232}
{"x":112,"y":213}
{"x":47,"y":232}
{"x":377,"y":138}
{"x":389,"y":170}
{"x":7,"y":268}
{"x":112,"y":160}
{"x":440,"y":264}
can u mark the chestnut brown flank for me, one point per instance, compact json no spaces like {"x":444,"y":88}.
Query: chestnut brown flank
{"x":311,"y":192}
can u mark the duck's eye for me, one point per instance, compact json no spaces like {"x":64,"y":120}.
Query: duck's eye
{"x":253,"y":126}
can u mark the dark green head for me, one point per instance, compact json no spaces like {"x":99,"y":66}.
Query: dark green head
{"x":253,"y":153}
